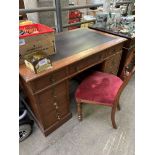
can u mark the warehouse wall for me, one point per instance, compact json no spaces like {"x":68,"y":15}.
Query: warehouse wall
{"x":65,"y":3}
{"x":32,"y":4}
{"x":47,"y":17}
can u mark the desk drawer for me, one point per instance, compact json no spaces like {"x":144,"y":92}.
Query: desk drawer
{"x":52,"y":103}
{"x":50,"y":118}
{"x":90,"y":61}
{"x":85,"y":63}
{"x":53,"y":97}
{"x":54,"y":116}
{"x":73,"y":69}
{"x":62,"y":111}
{"x":111,"y":65}
{"x":118,"y":47}
{"x":48,"y":80}
{"x":112,"y":51}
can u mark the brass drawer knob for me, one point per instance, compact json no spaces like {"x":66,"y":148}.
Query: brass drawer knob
{"x":55,"y":104}
{"x":58,"y":117}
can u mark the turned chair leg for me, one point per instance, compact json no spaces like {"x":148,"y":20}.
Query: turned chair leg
{"x":113,"y":117}
{"x":118,"y":106}
{"x":79,"y":110}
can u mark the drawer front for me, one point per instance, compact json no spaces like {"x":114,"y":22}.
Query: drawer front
{"x":52,"y":97}
{"x":55,"y":115}
{"x":90,"y":61}
{"x":111,"y":65}
{"x":73,"y":69}
{"x":50,"y":118}
{"x":62,"y":111}
{"x":112,"y":50}
{"x":48,"y":80}
{"x":118,"y":47}
{"x":84,"y":64}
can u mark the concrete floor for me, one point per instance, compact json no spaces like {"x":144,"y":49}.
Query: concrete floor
{"x":93,"y":136}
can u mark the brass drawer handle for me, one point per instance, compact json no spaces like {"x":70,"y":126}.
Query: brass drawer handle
{"x":58,"y":117}
{"x":55,"y":104}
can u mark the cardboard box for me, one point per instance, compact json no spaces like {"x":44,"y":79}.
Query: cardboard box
{"x":43,"y":41}
{"x":38,"y":61}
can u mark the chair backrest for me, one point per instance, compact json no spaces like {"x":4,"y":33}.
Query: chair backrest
{"x":127,"y":72}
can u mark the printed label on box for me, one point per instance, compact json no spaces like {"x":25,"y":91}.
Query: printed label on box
{"x":21,"y":42}
{"x":43,"y":62}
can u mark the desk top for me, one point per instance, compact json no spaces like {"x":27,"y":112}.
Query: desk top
{"x":73,"y":46}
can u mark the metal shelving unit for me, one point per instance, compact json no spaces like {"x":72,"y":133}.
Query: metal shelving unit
{"x":59,"y":10}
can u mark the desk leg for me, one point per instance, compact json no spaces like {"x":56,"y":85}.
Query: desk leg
{"x":79,"y":109}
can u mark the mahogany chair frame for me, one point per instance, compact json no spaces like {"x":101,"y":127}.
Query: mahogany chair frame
{"x":126,"y":75}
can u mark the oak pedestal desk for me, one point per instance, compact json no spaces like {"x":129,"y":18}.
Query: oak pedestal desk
{"x":77,"y":50}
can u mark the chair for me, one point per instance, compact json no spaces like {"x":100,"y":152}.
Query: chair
{"x":104,"y":89}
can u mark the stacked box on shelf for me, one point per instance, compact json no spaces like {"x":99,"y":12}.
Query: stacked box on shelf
{"x":74,"y":17}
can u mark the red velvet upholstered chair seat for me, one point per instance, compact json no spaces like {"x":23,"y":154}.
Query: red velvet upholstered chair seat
{"x":99,"y":87}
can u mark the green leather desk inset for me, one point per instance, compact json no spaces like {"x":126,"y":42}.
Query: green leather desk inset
{"x":73,"y":42}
